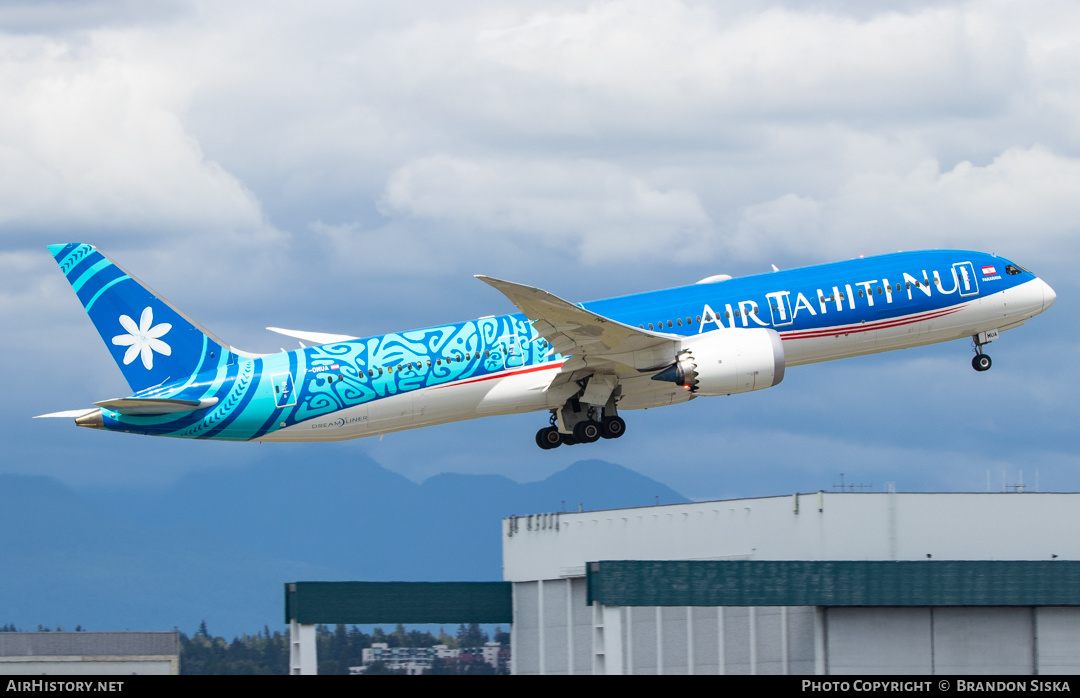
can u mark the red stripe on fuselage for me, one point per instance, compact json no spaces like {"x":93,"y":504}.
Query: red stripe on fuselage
{"x":806,"y":334}
{"x":878,"y":325}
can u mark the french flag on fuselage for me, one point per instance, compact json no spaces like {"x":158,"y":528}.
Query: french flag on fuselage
{"x":989,"y":270}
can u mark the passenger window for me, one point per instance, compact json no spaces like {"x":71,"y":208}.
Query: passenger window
{"x":879,"y":290}
{"x":650,"y":326}
{"x":680,"y":322}
{"x":688,"y":322}
{"x":698,"y":317}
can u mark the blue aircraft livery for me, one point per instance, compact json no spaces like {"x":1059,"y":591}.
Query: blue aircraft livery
{"x":583,"y":363}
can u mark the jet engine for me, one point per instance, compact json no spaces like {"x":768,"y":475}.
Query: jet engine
{"x":724,"y":362}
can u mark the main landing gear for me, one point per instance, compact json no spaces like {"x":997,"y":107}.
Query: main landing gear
{"x":582,"y":424}
{"x":981,"y":362}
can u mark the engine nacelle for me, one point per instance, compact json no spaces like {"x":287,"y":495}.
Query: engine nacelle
{"x":724,"y":362}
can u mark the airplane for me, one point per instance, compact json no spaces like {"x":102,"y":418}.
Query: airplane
{"x":584,"y":363}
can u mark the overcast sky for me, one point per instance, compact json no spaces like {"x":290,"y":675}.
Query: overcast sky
{"x":347,"y":167}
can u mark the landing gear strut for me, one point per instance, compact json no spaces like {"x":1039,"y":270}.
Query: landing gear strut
{"x":580,"y":423}
{"x":981,"y":362}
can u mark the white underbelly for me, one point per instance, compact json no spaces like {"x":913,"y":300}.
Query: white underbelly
{"x":521,"y":390}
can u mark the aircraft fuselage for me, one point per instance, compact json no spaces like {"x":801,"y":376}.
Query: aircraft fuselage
{"x":502,"y":365}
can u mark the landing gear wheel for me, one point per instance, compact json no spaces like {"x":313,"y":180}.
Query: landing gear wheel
{"x":981,"y":362}
{"x":587,"y":432}
{"x":567,"y":439}
{"x":548,"y":438}
{"x":612,"y":427}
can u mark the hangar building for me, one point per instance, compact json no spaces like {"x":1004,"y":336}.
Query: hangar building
{"x":821,"y":583}
{"x":90,"y":653}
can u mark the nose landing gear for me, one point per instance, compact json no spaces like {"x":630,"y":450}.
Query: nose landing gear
{"x":981,"y":362}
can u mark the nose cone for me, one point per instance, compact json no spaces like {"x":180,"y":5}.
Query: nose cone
{"x":1048,"y":295}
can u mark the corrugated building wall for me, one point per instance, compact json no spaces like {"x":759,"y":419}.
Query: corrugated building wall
{"x":970,"y":617}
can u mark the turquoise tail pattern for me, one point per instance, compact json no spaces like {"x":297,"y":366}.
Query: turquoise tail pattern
{"x":152,"y":342}
{"x":165,"y":354}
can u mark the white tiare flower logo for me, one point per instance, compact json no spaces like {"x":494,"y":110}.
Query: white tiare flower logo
{"x":143,"y":338}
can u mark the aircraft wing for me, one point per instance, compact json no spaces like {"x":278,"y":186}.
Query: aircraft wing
{"x":595,"y":342}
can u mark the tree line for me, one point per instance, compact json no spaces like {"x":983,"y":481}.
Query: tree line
{"x":338,"y":648}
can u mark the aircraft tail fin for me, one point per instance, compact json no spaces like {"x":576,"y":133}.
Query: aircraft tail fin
{"x":152,"y":341}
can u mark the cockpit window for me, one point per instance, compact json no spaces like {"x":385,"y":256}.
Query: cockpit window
{"x":1014,"y":270}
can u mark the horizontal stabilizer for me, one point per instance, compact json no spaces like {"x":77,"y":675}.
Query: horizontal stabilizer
{"x":314,"y":337}
{"x":151,"y":406}
{"x":69,"y":414}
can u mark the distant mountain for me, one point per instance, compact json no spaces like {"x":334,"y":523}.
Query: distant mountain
{"x":220,"y":543}
{"x":67,"y":562}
